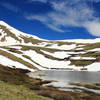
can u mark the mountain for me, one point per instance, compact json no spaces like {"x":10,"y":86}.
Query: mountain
{"x":22,"y":50}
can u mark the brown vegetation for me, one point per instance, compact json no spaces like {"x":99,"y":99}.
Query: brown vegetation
{"x":18,"y":77}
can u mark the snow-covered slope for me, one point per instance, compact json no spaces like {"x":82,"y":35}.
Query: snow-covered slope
{"x":21,"y":50}
{"x":97,"y":40}
{"x":10,"y":36}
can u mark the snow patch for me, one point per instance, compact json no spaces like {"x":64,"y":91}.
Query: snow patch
{"x":40,"y":59}
{"x":12,"y":64}
{"x":93,"y":67}
{"x":83,"y":58}
{"x":97,"y":40}
{"x":96,"y":49}
{"x":25,"y":59}
{"x":60,"y":54}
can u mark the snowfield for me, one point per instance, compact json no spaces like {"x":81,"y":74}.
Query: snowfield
{"x":13,"y":64}
{"x":93,"y":67}
{"x":63,"y":47}
{"x":83,"y":58}
{"x":40,"y":59}
{"x":97,"y":40}
{"x":60,"y":54}
{"x":44,"y":54}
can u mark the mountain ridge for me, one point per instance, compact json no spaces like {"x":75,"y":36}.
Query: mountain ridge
{"x":11,"y":28}
{"x":22,"y":50}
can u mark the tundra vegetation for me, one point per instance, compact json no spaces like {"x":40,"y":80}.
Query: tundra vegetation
{"x":15,"y":84}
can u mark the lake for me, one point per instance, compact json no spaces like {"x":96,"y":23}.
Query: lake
{"x":63,"y":78}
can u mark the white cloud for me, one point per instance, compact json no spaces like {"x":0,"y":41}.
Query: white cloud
{"x":69,"y":13}
{"x":55,"y":28}
{"x":37,"y":17}
{"x":45,"y":20}
{"x":9,"y":6}
{"x":93,"y":28}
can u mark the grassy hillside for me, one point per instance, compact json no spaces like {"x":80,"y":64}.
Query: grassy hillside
{"x":15,"y":92}
{"x":15,"y":85}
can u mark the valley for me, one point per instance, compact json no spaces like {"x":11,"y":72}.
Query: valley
{"x":21,"y":53}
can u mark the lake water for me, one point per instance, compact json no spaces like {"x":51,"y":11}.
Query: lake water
{"x":63,"y":78}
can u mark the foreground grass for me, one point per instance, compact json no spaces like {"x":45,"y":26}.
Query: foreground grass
{"x":16,"y":92}
{"x":16,"y":85}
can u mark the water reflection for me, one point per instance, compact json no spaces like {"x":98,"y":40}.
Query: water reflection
{"x":65,"y":77}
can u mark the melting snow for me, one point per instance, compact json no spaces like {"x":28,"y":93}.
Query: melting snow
{"x":93,"y":67}
{"x":96,"y":49}
{"x":83,"y":40}
{"x":25,"y":59}
{"x":40,"y":59}
{"x":60,"y":54}
{"x":63,"y":47}
{"x":11,"y":63}
{"x":83,"y":58}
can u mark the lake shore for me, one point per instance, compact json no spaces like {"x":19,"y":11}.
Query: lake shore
{"x":20,"y":86}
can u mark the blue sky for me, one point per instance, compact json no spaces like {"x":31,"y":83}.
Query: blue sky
{"x":53,"y":19}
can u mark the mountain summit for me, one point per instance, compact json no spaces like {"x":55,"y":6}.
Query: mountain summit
{"x":10,"y":35}
{"x":22,"y":50}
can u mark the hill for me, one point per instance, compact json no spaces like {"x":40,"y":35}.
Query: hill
{"x":22,"y":50}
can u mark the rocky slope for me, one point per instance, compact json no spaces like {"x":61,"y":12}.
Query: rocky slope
{"x":21,"y":50}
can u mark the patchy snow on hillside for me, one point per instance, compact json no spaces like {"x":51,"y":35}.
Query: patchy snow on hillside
{"x":49,"y":63}
{"x":12,"y":64}
{"x":71,"y":49}
{"x":43,"y":44}
{"x":83,"y":58}
{"x":63,"y":47}
{"x":96,"y":49}
{"x":93,"y":67}
{"x":97,"y":40}
{"x":60,"y":54}
{"x":71,"y":53}
{"x":17,"y":32}
{"x":25,"y":59}
{"x":2,"y":34}
{"x":15,"y":47}
{"x":79,"y":48}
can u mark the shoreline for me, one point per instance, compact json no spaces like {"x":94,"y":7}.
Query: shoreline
{"x":18,"y":77}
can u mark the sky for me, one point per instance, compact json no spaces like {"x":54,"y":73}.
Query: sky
{"x":53,"y":19}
